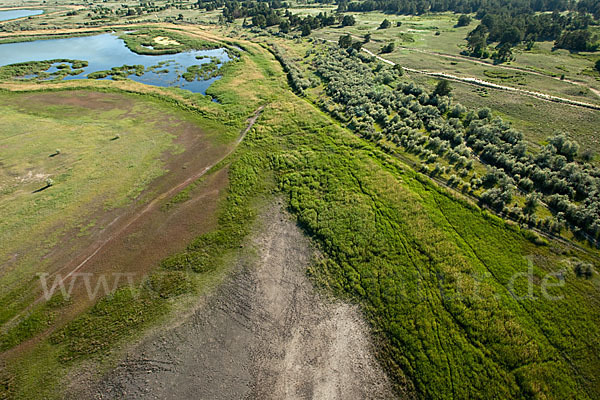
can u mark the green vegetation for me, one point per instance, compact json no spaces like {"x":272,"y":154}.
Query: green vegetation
{"x":431,"y":127}
{"x":119,"y":72}
{"x":125,"y":313}
{"x":203,"y":71}
{"x":462,"y":303}
{"x":463,"y":20}
{"x":385,"y":24}
{"x":157,"y":41}
{"x":37,"y":70}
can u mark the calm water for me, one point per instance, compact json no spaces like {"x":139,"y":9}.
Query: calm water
{"x":105,"y":51}
{"x":12,"y":14}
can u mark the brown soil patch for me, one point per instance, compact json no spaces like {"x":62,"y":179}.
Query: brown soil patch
{"x":81,"y":99}
{"x":265,"y":333}
{"x":134,"y":239}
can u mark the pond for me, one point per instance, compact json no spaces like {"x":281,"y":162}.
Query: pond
{"x":14,"y":14}
{"x":107,"y":51}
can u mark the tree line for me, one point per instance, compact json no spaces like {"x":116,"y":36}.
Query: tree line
{"x":366,"y":94}
{"x":510,"y":27}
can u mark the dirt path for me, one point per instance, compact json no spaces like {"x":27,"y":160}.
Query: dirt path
{"x":133,"y":240}
{"x":505,"y":67}
{"x":480,"y":82}
{"x":156,"y":201}
{"x":264,"y":334}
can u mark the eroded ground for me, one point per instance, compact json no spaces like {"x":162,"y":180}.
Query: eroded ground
{"x":265,"y":333}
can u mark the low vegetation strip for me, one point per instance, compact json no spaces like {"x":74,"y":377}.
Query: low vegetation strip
{"x":391,"y":242}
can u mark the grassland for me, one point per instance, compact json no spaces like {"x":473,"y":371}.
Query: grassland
{"x":420,"y":47}
{"x":434,"y":274}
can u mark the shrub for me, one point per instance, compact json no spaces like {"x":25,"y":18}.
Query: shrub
{"x":385,"y":24}
{"x":388,"y":48}
{"x":443,"y":88}
{"x":463,"y":20}
{"x":348,"y":20}
{"x":583,"y":270}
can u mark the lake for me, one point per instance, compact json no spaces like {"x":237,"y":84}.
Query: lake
{"x":14,"y":14}
{"x":105,"y":51}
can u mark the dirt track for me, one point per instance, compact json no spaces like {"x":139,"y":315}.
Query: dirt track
{"x":480,"y":82}
{"x":265,"y":333}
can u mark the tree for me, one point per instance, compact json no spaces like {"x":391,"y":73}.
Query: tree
{"x":531,"y":203}
{"x":463,"y":20}
{"x":388,"y":48}
{"x":564,"y":146}
{"x":598,"y":65}
{"x":443,"y":88}
{"x":284,"y":26}
{"x":348,"y":20}
{"x":477,"y":41}
{"x":259,"y":20}
{"x":575,"y":40}
{"x":305,"y":30}
{"x":385,"y":24}
{"x":511,"y":35}
{"x":367,"y":38}
{"x":399,"y":70}
{"x":345,"y":41}
{"x":357,"y":46}
{"x":504,"y":53}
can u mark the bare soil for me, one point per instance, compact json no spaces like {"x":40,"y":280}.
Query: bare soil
{"x":133,"y":239}
{"x":264,"y":333}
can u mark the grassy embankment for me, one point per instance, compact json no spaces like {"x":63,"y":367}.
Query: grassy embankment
{"x":431,"y":271}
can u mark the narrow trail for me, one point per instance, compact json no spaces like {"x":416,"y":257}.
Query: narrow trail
{"x":505,"y":67}
{"x":482,"y":83}
{"x":250,"y":123}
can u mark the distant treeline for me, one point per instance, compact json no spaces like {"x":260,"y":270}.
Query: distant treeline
{"x":508,"y":29}
{"x":507,"y":22}
{"x":415,"y":7}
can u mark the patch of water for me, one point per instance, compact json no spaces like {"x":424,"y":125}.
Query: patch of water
{"x":105,"y":51}
{"x":14,"y":14}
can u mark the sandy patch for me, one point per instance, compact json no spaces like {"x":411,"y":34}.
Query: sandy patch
{"x":165,"y":41}
{"x":264,"y":334}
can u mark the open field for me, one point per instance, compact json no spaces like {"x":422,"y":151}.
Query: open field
{"x":420,"y":48}
{"x":101,"y":211}
{"x":413,"y":290}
